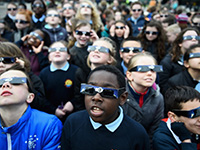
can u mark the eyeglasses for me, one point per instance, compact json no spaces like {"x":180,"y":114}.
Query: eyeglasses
{"x":151,"y":32}
{"x":37,"y":5}
{"x":164,"y":16}
{"x":99,"y":48}
{"x":53,"y":15}
{"x":104,"y":92}
{"x":60,"y":49}
{"x":13,"y":9}
{"x":36,"y":35}
{"x":194,"y":55}
{"x":69,"y":8}
{"x":134,"y":10}
{"x":196,"y":23}
{"x":7,"y":60}
{"x":146,"y":68}
{"x":133,"y":49}
{"x":189,"y":114}
{"x":83,"y":33}
{"x":190,"y":37}
{"x":21,"y":21}
{"x":119,"y":27}
{"x":13,"y":80}
{"x":85,"y":6}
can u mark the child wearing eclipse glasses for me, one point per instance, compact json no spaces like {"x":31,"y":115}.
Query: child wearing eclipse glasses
{"x":83,"y":34}
{"x":180,"y":130}
{"x":145,"y":104}
{"x":130,"y":47}
{"x":53,"y":27}
{"x":59,"y":78}
{"x":103,"y":124}
{"x":32,"y":45}
{"x":191,"y":75}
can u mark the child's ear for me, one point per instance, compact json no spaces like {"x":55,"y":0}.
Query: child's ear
{"x":110,"y":60}
{"x":68,"y":57}
{"x":123,"y":98}
{"x":186,"y":64}
{"x":172,"y":116}
{"x":30,"y":98}
{"x":120,"y":53}
{"x":129,"y":76}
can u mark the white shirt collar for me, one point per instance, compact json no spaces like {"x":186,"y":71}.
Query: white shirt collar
{"x":111,"y":126}
{"x":40,"y":19}
{"x":64,"y":68}
{"x":174,"y":135}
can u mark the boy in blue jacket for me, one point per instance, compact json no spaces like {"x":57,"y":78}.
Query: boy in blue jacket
{"x":180,"y":131}
{"x":103,"y":125}
{"x":22,"y":127}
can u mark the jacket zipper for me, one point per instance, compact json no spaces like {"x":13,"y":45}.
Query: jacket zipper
{"x":9,"y":141}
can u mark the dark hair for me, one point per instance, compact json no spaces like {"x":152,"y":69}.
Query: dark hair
{"x":131,"y":38}
{"x":22,"y":4}
{"x":174,"y":96}
{"x":171,"y":19}
{"x":189,"y":50}
{"x":176,"y":49}
{"x":160,"y":40}
{"x":20,"y":68}
{"x":44,"y":5}
{"x":113,"y":70}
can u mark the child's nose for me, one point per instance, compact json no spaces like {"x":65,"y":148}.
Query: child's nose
{"x":97,"y":98}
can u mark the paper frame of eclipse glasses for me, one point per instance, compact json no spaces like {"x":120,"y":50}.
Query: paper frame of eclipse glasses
{"x":60,"y":49}
{"x":103,"y":91}
{"x":189,"y":114}
{"x":83,"y":32}
{"x":146,"y":68}
{"x":85,"y":6}
{"x":133,"y":49}
{"x":190,"y":37}
{"x":38,"y":5}
{"x":13,"y":80}
{"x":53,"y":15}
{"x":36,"y":35}
{"x":194,"y":55}
{"x":8,"y":60}
{"x":99,"y":48}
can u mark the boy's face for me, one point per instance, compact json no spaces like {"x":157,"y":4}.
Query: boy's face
{"x":193,"y":63}
{"x":82,"y":39}
{"x":192,"y":124}
{"x":11,"y":94}
{"x":127,"y":56}
{"x":12,"y":9}
{"x":171,"y":36}
{"x":100,"y":109}
{"x":136,"y":11}
{"x":52,"y":18}
{"x":38,"y":7}
{"x":34,"y":40}
{"x":57,"y":56}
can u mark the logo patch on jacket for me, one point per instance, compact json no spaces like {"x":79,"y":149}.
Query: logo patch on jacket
{"x":32,"y":141}
{"x":68,"y":83}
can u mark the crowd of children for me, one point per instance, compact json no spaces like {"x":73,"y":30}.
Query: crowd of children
{"x":96,"y":75}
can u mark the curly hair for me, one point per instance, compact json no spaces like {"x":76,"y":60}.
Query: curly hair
{"x":160,"y":40}
{"x":95,"y":17}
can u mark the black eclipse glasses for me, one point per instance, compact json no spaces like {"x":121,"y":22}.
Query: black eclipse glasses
{"x":190,"y":37}
{"x":7,"y":60}
{"x":133,"y":49}
{"x":119,"y":27}
{"x":13,"y":80}
{"x":83,"y":33}
{"x":103,"y":91}
{"x":146,"y":68}
{"x":134,"y":10}
{"x":13,"y":9}
{"x":189,"y":114}
{"x":99,"y":48}
{"x":151,"y":32}
{"x":60,"y":49}
{"x":21,"y":21}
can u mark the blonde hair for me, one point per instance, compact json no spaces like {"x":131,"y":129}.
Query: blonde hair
{"x":112,"y":50}
{"x":174,"y":28}
{"x":95,"y":17}
{"x":135,"y":58}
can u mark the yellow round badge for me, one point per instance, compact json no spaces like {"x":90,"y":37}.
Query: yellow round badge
{"x":68,"y":83}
